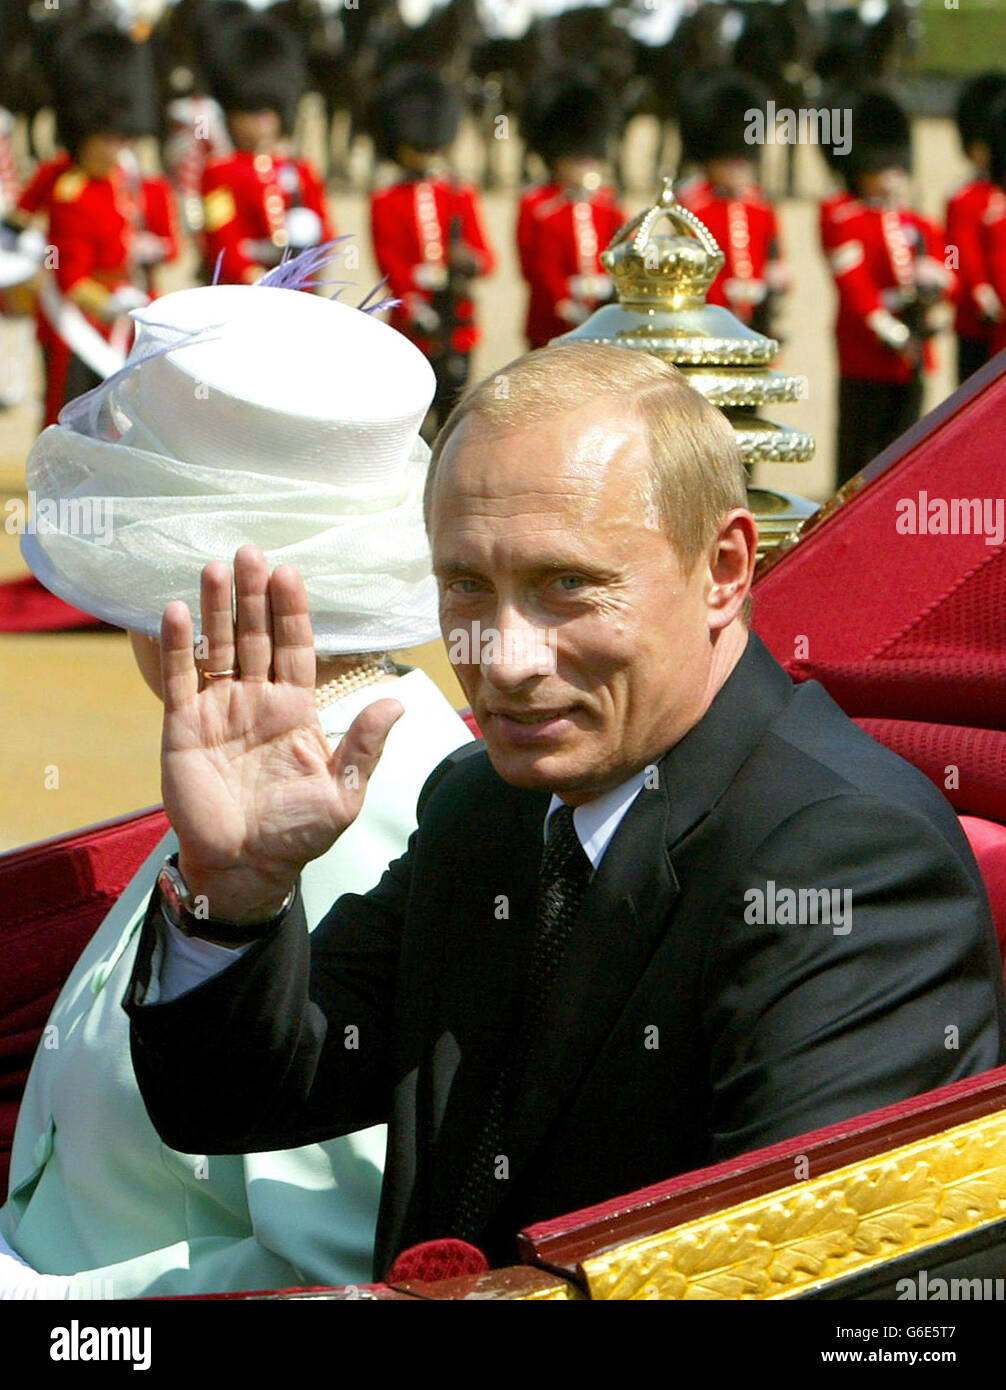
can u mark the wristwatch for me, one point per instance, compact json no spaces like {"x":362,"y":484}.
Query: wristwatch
{"x":179,"y":908}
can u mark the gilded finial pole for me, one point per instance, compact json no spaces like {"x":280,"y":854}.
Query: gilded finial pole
{"x":661,"y":280}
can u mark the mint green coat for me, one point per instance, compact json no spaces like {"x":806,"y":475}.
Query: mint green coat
{"x":97,"y":1195}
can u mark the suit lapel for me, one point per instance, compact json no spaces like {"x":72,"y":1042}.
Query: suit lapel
{"x":626,"y":914}
{"x":629,"y":904}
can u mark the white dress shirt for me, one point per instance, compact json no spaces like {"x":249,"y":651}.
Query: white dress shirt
{"x":595,"y":822}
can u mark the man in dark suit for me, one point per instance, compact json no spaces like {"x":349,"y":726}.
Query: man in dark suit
{"x":676,"y":908}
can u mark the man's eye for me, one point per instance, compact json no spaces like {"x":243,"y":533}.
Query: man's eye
{"x":570,"y":582}
{"x":465,"y":586}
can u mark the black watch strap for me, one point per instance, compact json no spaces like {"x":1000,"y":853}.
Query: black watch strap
{"x":182,"y":910}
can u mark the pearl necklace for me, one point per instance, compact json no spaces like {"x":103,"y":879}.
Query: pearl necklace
{"x":365,"y":673}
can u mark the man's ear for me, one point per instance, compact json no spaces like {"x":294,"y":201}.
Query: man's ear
{"x":731,"y":567}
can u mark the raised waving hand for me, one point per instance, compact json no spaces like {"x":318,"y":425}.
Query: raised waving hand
{"x":250,"y":784}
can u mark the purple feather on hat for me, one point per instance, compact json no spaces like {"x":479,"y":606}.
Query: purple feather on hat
{"x":298,"y":273}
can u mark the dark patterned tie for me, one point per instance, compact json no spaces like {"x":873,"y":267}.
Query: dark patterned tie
{"x":562,"y":882}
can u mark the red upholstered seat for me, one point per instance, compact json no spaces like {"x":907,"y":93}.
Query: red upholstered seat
{"x":908,"y":631}
{"x":53,"y":897}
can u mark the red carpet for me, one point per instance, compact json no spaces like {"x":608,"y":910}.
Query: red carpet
{"x":26,"y":607}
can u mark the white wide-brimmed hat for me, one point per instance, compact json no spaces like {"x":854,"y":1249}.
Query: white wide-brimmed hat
{"x":245,"y":413}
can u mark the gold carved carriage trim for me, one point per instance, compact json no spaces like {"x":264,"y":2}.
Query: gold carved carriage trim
{"x":795,"y":1239}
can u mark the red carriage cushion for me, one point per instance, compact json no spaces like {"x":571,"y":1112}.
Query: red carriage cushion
{"x":53,"y":897}
{"x":896,"y":599}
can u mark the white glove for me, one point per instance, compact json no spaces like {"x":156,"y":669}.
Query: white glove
{"x":988,"y":302}
{"x":147,"y":248}
{"x":123,"y":301}
{"x":430,"y":275}
{"x":589,"y":286}
{"x":891,"y":331}
{"x":32,"y":243}
{"x":303,"y":228}
{"x":572,"y":311}
{"x":18,"y":1280}
{"x":930,"y":274}
{"x":421,"y":314}
{"x":744,"y":291}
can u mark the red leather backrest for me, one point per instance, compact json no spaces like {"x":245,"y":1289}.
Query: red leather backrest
{"x":53,"y":897}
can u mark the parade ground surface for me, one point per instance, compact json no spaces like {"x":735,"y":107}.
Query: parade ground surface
{"x":81,"y":731}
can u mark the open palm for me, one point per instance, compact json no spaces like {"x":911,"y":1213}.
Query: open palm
{"x":250,"y":784}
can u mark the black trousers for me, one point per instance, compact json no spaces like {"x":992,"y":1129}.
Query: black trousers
{"x":972,"y":353}
{"x":870,"y":415}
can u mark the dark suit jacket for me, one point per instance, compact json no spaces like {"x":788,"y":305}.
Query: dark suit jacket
{"x":680,"y":1033}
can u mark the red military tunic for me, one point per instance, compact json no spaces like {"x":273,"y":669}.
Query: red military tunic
{"x":411,"y":223}
{"x":872,"y":252}
{"x":748,"y":235}
{"x":966,"y":211}
{"x":246,"y":198}
{"x":560,"y":236}
{"x":35,"y":198}
{"x":993,"y":246}
{"x":92,"y":227}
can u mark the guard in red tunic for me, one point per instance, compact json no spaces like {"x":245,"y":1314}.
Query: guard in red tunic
{"x":427,"y":227}
{"x":108,"y":227}
{"x":564,"y":224}
{"x":15,"y":299}
{"x":727,"y":199}
{"x":888,"y":264}
{"x":37,"y":194}
{"x":261,"y":200}
{"x":978,"y":305}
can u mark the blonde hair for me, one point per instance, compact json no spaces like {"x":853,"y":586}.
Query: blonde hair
{"x":696,"y":472}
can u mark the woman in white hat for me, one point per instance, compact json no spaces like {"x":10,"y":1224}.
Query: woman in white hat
{"x":291,"y":423}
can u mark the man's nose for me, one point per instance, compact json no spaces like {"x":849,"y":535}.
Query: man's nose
{"x":516,"y":650}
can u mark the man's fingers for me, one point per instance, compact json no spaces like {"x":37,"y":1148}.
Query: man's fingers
{"x":254,"y":633}
{"x":179,"y":677}
{"x":358,"y":753}
{"x":292,"y":637}
{"x":217,"y":617}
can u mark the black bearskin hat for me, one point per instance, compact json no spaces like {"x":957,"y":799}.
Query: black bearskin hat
{"x":881,"y":136}
{"x":414,"y":106}
{"x":718,"y":114}
{"x":104,"y":84}
{"x":996,"y":136}
{"x":254,"y":64}
{"x":568,"y":114}
{"x":974,"y":106}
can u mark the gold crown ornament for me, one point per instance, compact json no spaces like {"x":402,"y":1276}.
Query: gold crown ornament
{"x":661,"y":280}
